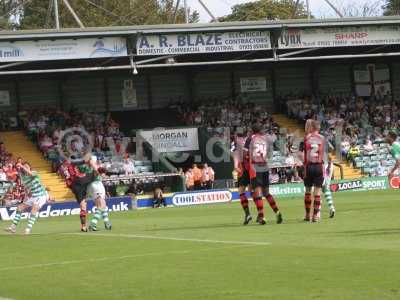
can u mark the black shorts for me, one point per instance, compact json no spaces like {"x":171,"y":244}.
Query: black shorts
{"x":260,"y":180}
{"x":244,"y":180}
{"x":314,"y":175}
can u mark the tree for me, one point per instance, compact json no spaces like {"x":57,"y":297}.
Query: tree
{"x":362,"y":9}
{"x":8,"y":10}
{"x":266,"y":9}
{"x":102,"y":13}
{"x":392,"y":8}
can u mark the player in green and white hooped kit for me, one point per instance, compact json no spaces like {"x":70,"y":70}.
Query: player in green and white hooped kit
{"x":97,"y":192}
{"x":326,"y":188}
{"x":37,"y":197}
{"x":395,"y":151}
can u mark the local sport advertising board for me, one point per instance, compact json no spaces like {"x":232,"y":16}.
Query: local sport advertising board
{"x":172,"y":140}
{"x":68,"y":208}
{"x":202,"y":43}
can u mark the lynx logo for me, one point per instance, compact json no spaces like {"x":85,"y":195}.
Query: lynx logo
{"x":206,"y":197}
{"x":67,"y":209}
{"x":291,"y":38}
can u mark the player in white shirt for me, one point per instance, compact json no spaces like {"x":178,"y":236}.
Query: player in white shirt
{"x":326,"y":189}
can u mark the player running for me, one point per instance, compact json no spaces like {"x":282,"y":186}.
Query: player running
{"x":97,"y":192}
{"x":314,"y":147}
{"x":258,"y":146}
{"x":395,"y":151}
{"x":326,"y":188}
{"x":241,"y":162}
{"x":37,"y":197}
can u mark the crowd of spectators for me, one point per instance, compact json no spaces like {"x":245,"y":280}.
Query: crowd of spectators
{"x":353,"y":125}
{"x":10,"y":185}
{"x":199,"y":178}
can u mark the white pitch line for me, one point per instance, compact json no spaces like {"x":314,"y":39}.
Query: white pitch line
{"x":152,"y":237}
{"x":71,"y":262}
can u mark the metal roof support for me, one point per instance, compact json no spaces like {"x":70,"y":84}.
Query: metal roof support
{"x":205,"y":63}
{"x":56,"y":15}
{"x":298,"y":52}
{"x":176,"y":10}
{"x":295,"y":8}
{"x":213,"y":18}
{"x":73,"y":13}
{"x":12,"y":65}
{"x":142,"y":62}
{"x":337,"y":11}
{"x":186,"y":11}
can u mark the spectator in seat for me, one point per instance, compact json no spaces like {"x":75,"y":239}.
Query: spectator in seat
{"x":128,"y":165}
{"x":296,"y":177}
{"x":3,"y":175}
{"x":353,"y":152}
{"x":380,"y":170}
{"x":274,"y":177}
{"x":207,"y":178}
{"x":197,"y":174}
{"x":158,"y":198}
{"x":368,"y":146}
{"x":189,"y":180}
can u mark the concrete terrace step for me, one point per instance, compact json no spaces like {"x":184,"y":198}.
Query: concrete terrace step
{"x":20,"y":146}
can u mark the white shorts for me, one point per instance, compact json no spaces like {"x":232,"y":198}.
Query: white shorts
{"x":96,"y":189}
{"x":38,"y":201}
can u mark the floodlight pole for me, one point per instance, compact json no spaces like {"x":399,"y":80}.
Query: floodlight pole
{"x":308,"y":10}
{"x":213,"y":18}
{"x":295,"y":8}
{"x":186,"y":11}
{"x":73,"y":13}
{"x":176,"y":10}
{"x":56,"y":15}
{"x":337,"y":11}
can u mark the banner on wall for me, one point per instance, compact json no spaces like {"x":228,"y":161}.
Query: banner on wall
{"x":172,"y":140}
{"x":371,"y":79}
{"x":129,"y":96}
{"x":4,"y":98}
{"x":340,"y":37}
{"x":253,"y":84}
{"x":68,"y":208}
{"x":63,"y":49}
{"x":203,"y":43}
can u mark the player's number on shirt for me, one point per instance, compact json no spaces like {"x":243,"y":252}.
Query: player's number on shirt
{"x":260,"y":150}
{"x":314,"y":151}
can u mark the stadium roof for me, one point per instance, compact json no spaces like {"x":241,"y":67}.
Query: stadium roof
{"x":195,"y":27}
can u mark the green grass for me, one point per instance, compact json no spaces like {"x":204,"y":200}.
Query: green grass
{"x":354,"y":256}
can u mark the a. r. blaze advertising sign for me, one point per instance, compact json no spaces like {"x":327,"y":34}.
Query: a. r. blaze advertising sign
{"x":202,"y":197}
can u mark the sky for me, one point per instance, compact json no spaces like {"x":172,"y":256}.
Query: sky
{"x":319,"y":8}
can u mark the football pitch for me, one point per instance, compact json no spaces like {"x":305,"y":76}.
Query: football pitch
{"x":205,"y":252}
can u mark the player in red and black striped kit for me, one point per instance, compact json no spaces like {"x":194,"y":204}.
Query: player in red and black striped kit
{"x":314,"y":153}
{"x":258,"y":147}
{"x":241,"y":161}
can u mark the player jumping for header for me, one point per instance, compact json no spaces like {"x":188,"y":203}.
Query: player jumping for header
{"x":37,"y":197}
{"x":314,"y":147}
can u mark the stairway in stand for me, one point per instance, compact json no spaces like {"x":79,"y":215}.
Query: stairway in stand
{"x":20,"y":146}
{"x":295,"y":128}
